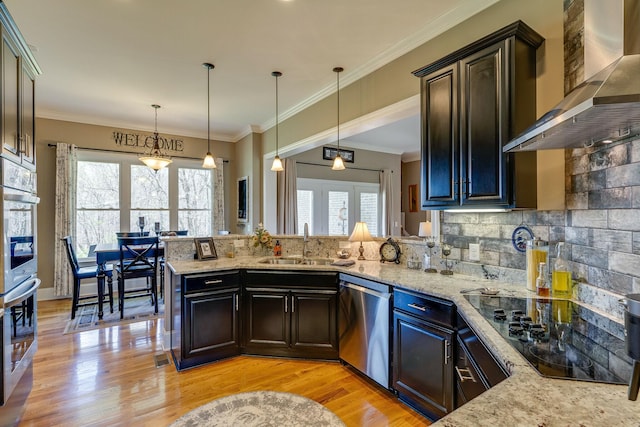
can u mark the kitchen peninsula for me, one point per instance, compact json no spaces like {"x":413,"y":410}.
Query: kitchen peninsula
{"x":525,"y":398}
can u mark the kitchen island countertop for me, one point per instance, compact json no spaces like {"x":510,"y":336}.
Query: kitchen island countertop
{"x":523,"y":399}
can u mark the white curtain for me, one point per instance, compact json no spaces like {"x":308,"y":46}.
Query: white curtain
{"x":65,"y":207}
{"x":386,"y":189}
{"x":218,"y":196}
{"x":287,"y":198}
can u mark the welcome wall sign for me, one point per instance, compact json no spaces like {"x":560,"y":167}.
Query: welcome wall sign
{"x":123,"y":139}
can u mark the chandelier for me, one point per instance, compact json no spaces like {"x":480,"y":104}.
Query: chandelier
{"x":155,"y":159}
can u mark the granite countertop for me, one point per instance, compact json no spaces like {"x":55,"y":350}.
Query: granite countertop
{"x":523,"y":399}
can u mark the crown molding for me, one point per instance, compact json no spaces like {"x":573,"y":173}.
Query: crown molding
{"x":132,"y":126}
{"x":464,"y":11}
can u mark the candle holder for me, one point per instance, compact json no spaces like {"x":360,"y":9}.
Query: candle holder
{"x":141,"y":225}
{"x":156,"y":228}
{"x":446,"y":251}
{"x":431,"y":243}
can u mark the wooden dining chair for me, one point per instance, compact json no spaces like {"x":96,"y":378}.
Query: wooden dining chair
{"x":138,"y":259}
{"x":81,"y":273}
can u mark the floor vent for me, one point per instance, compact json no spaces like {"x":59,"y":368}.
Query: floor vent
{"x":160,"y":359}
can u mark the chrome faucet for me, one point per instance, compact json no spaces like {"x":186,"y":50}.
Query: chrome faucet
{"x":305,"y":240}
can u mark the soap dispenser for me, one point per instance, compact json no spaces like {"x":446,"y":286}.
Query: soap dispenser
{"x":277,"y":249}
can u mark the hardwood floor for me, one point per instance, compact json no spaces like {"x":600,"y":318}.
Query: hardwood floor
{"x":108,"y":377}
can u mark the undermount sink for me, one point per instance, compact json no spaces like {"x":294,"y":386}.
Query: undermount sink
{"x":304,"y":261}
{"x":317,"y":261}
{"x":281,"y":261}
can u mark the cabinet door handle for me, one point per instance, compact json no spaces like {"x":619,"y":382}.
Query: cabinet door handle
{"x":237,"y":307}
{"x":286,"y":304}
{"x":212,"y":282}
{"x":23,"y":141}
{"x":417,"y":307}
{"x":465,"y":375}
{"x":447,"y":356}
{"x":293,"y":305}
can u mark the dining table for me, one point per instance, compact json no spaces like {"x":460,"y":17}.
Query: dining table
{"x":106,"y":252}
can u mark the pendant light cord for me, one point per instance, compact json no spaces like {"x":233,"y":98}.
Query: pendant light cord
{"x":338,"y":109}
{"x":208,"y":110}
{"x":277,"y":121}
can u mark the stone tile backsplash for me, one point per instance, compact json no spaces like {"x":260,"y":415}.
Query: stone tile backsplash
{"x":601,"y":226}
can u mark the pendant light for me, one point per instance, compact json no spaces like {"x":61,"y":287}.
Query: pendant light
{"x":209,"y":162}
{"x":277,"y":163}
{"x":155,"y":159}
{"x":338,"y":163}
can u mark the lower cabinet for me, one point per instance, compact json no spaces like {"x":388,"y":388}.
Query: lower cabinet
{"x":210,"y":318}
{"x":423,"y":352}
{"x":476,"y":369}
{"x":291,"y":314}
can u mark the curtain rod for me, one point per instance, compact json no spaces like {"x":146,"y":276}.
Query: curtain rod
{"x":125,"y":152}
{"x":320,"y":164}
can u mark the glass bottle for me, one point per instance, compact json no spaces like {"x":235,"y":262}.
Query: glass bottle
{"x":542,"y":285}
{"x":561,"y":275}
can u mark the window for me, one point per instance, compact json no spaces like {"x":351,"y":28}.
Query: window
{"x":149,"y":197}
{"x":305,"y":210}
{"x":194,"y":201}
{"x":97,"y":204}
{"x":114,"y":190}
{"x":333,"y":207}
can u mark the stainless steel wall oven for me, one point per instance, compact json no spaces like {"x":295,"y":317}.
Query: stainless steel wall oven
{"x":18,"y":288}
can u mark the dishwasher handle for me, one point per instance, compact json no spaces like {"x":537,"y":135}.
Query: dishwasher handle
{"x":377,"y":294}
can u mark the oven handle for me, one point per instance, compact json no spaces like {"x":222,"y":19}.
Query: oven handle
{"x":25,"y":198}
{"x":31,"y":290}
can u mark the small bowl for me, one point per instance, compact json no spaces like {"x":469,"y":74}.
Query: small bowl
{"x":489,"y":291}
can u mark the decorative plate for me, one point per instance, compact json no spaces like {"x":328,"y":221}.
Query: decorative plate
{"x":519,"y":238}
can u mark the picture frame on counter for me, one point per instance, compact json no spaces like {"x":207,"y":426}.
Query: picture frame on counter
{"x":205,"y":249}
{"x":329,"y":153}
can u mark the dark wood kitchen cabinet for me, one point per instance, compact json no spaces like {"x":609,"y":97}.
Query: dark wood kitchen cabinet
{"x":473,"y":102}
{"x":291,"y":314}
{"x":210,"y":317}
{"x":423,"y":366}
{"x":475,"y":367}
{"x":19,"y":71}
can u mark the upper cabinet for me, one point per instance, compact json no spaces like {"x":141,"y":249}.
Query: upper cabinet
{"x":473,"y":102}
{"x":19,"y":70}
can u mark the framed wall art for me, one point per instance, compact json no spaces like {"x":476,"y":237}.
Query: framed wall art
{"x":413,"y":198}
{"x":243,"y":199}
{"x":329,"y":153}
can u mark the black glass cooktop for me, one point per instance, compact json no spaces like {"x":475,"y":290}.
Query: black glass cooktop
{"x":559,"y":338}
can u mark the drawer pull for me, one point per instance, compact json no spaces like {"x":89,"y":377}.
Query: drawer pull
{"x":465,"y":375}
{"x":417,"y":307}
{"x":212,"y":282}
{"x":447,"y":351}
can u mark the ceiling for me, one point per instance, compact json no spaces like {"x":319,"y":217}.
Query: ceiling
{"x":105,"y":62}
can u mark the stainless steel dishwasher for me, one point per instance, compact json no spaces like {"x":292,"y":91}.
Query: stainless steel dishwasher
{"x":364,"y":327}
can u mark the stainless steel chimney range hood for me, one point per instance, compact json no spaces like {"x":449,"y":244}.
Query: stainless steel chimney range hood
{"x":604,"y":108}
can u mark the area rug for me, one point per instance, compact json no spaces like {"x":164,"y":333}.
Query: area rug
{"x":260,"y":408}
{"x":135,"y":310}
